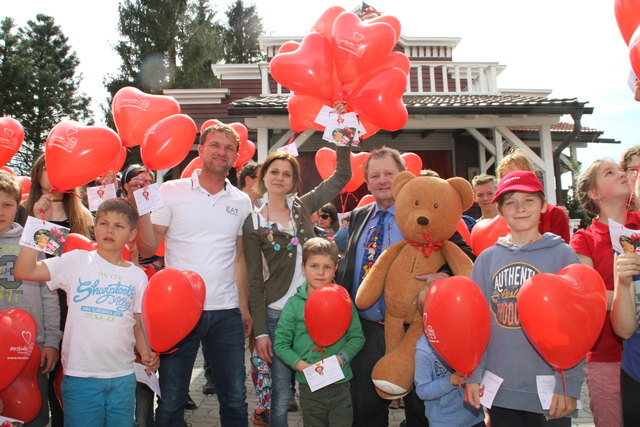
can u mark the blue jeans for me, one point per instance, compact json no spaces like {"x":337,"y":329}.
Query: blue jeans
{"x":98,"y":402}
{"x":222,"y":336}
{"x":280,"y":378}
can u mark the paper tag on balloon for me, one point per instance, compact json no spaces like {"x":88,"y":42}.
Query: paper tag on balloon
{"x":489,"y":388}
{"x":290,"y":148}
{"x":323,"y":373}
{"x":97,"y":195}
{"x":344,"y":130}
{"x":148,"y":199}
{"x":323,"y":115}
{"x":44,"y":236}
{"x":11,"y":421}
{"x":631,"y":80}
{"x":145,"y":376}
{"x":545,"y":385}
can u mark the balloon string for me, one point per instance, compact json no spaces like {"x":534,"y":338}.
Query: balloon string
{"x":633,"y":193}
{"x":344,"y":198}
{"x":564,"y":389}
{"x":321,"y":350}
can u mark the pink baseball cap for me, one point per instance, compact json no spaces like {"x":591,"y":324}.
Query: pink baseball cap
{"x":524,"y":181}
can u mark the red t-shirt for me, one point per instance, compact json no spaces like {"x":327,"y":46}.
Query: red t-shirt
{"x":595,"y":243}
{"x":555,"y":220}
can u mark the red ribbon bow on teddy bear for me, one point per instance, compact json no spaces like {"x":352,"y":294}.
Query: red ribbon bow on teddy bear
{"x":428,"y":247}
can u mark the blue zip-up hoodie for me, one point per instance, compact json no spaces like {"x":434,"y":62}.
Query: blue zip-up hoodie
{"x":500,"y":272}
{"x":444,"y":403}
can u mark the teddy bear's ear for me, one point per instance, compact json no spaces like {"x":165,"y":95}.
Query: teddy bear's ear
{"x":401,"y":179}
{"x":464,"y":189}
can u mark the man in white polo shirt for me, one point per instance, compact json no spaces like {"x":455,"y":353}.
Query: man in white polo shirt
{"x":202,"y":226}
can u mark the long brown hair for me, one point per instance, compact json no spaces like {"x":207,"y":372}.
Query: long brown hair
{"x":70,"y":200}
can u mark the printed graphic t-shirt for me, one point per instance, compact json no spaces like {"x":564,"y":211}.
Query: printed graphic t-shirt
{"x":98,"y":339}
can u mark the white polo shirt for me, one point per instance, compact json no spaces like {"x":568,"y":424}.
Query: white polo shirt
{"x":202,"y":232}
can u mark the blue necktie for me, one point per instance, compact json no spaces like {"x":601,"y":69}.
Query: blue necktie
{"x":373,"y":249}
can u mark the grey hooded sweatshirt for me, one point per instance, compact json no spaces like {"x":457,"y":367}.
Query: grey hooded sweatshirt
{"x":500,"y":271}
{"x":33,"y":297}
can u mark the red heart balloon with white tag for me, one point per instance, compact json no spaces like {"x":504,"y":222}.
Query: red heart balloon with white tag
{"x":17,"y":340}
{"x":326,"y":163}
{"x":135,"y":111}
{"x":11,"y":137}
{"x":77,"y":154}
{"x":563,"y":313}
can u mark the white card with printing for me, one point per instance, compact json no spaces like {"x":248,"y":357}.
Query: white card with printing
{"x":145,"y":376}
{"x":489,"y":388}
{"x":323,"y":115}
{"x":11,"y":421}
{"x":97,"y":195}
{"x":323,"y":373}
{"x":545,"y":385}
{"x":291,"y":149}
{"x":44,"y":236}
{"x":148,"y":199}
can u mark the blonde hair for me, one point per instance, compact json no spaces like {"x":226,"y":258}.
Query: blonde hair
{"x":319,"y":246}
{"x":518,"y":158}
{"x":10,"y":185}
{"x":483,"y":179}
{"x":628,"y":155}
{"x":586,"y":183}
{"x":70,"y":200}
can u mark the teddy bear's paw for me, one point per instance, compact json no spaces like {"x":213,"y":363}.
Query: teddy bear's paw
{"x":387,"y":388}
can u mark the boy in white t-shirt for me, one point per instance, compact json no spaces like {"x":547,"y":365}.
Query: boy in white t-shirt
{"x":104,"y":295}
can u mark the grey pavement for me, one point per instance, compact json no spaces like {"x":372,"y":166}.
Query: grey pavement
{"x":207,"y":413}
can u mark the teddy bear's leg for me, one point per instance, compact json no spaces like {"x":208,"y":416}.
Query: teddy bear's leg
{"x":393,"y":374}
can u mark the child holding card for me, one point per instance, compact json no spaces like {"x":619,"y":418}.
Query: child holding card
{"x":104,"y":294}
{"x":331,"y":405}
{"x":500,"y":271}
{"x":31,"y":296}
{"x":437,"y":385}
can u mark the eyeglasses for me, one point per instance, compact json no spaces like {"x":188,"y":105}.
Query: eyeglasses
{"x":324,"y":216}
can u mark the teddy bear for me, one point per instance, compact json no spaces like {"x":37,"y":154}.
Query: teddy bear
{"x":427,"y":211}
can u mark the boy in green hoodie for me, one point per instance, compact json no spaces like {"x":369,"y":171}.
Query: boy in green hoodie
{"x":330,"y":405}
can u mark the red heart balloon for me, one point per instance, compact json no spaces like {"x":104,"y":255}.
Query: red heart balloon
{"x":303,"y":110}
{"x":326,"y":163}
{"x":307,"y":70}
{"x":25,"y":184}
{"x":324,"y":24}
{"x":210,"y":122}
{"x":117,"y":163}
{"x":357,"y":46}
{"x":168,"y":142}
{"x":366,"y":200}
{"x":391,"y":20}
{"x":327,"y":314}
{"x":197,"y":283}
{"x":289,"y":46}
{"x":394,"y":59}
{"x":369,"y":128}
{"x":22,"y":399}
{"x":379,"y":100}
{"x":78,"y":241}
{"x":412,"y":162}
{"x":194,"y":164}
{"x":90,"y":149}
{"x":634,"y":52}
{"x":11,"y":137}
{"x":486,"y":233}
{"x":242,"y":132}
{"x":574,"y":303}
{"x":457,"y":322}
{"x":170,"y":309}
{"x":135,"y":111}
{"x":628,"y":17}
{"x":246,"y":153}
{"x":17,"y":342}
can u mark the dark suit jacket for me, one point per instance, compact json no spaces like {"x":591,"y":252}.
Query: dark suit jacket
{"x":357,"y":222}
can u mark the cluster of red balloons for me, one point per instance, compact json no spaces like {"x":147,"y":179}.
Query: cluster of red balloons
{"x":171,"y":307}
{"x":20,"y":360}
{"x":574,"y":304}
{"x":345,"y":59}
{"x":457,"y":322}
{"x":628,"y":17}
{"x":327,"y":314}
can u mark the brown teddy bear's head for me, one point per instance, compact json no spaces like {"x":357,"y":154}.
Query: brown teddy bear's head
{"x":428,"y":207}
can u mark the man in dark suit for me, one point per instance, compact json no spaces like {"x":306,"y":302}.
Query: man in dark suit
{"x":377,"y":218}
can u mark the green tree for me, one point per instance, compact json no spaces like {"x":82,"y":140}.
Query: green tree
{"x":242,"y":33}
{"x":46,"y":87}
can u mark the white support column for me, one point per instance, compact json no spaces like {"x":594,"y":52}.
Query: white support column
{"x":497,"y":142}
{"x":546,"y":152}
{"x":482,"y":140}
{"x":263,"y":143}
